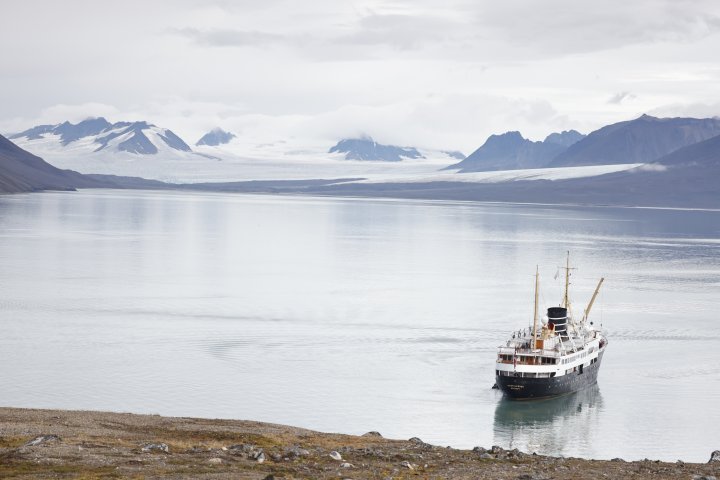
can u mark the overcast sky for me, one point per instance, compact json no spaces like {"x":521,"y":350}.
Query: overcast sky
{"x":436,"y":74}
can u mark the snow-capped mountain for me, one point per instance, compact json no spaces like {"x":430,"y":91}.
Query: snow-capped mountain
{"x":215,"y":137}
{"x":97,"y":134}
{"x":135,"y":149}
{"x":367,"y":149}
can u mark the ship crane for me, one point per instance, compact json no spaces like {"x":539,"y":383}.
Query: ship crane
{"x":592,"y":300}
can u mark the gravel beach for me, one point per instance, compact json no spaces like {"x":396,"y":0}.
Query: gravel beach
{"x":78,"y":444}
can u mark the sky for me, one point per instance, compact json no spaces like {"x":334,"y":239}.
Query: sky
{"x":431,"y":74}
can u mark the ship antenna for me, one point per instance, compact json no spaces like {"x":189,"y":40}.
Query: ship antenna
{"x":566,"y":297}
{"x":535,"y":312}
{"x":566,"y":300}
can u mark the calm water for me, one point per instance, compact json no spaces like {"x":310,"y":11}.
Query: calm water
{"x":356,"y":315}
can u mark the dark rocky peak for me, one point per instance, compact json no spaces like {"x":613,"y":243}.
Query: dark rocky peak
{"x":509,"y":151}
{"x":504,"y":140}
{"x":91,"y":126}
{"x":454,"y":154}
{"x":34,"y":133}
{"x":173,"y":141}
{"x":564,"y":138}
{"x":68,"y":132}
{"x":215,"y":137}
{"x":140,"y":125}
{"x":136,"y":143}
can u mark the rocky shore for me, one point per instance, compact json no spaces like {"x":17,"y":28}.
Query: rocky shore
{"x":70,"y":444}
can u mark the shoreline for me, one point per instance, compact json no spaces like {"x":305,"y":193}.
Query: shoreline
{"x":37,"y":443}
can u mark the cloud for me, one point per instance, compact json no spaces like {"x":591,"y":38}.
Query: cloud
{"x":231,"y":38}
{"x":512,"y":30}
{"x":401,"y":31}
{"x":449,"y":121}
{"x":75,"y":113}
{"x":567,"y":27}
{"x":396,"y":32}
{"x":58,"y":114}
{"x":621,"y":97}
{"x":695,"y":110}
{"x":421,"y":72}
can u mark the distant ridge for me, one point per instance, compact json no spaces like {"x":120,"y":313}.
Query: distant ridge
{"x":511,"y":151}
{"x":705,"y":154}
{"x":564,"y":138}
{"x":215,"y":137}
{"x":642,"y":140}
{"x":366,"y":148}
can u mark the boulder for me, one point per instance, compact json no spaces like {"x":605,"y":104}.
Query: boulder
{"x":42,"y":439}
{"x":296,"y":451}
{"x":156,"y":447}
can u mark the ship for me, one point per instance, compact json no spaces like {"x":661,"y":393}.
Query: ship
{"x":555,"y":356}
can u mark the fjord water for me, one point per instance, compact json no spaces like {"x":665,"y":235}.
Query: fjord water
{"x":350,"y":315}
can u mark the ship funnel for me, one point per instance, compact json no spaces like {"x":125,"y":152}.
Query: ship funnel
{"x":557,"y":317}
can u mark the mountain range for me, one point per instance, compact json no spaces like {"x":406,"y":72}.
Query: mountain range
{"x":641,"y":140}
{"x":97,"y":134}
{"x":94,"y":139}
{"x":511,"y":151}
{"x":685,"y":178}
{"x":678,"y":158}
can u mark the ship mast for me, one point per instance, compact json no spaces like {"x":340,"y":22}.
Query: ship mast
{"x":535,"y":312}
{"x":566,"y":299}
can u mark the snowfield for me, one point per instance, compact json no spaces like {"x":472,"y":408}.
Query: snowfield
{"x":561,"y":173}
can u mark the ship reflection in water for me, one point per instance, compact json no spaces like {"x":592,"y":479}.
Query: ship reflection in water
{"x":560,"y":426}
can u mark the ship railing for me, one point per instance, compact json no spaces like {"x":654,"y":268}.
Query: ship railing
{"x":528,"y":351}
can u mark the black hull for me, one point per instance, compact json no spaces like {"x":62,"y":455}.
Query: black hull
{"x":524,"y":387}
